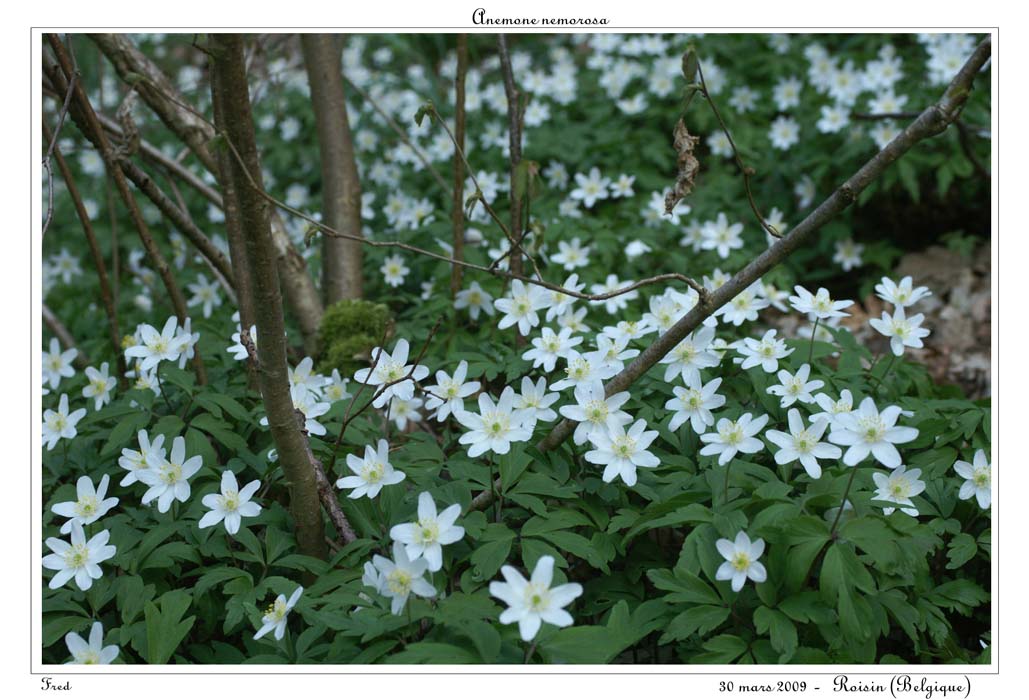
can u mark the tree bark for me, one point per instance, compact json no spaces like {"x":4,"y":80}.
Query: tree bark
{"x":157,"y":90}
{"x":228,"y":67}
{"x":342,"y":276}
{"x":457,"y":208}
{"x":161,"y":96}
{"x":233,"y":226}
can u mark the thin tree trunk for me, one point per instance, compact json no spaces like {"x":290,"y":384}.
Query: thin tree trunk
{"x":233,"y":225}
{"x":227,"y":65}
{"x":457,"y":209}
{"x":514,"y":117}
{"x":341,"y":188}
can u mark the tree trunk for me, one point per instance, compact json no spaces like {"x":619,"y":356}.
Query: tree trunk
{"x":228,"y":67}
{"x":341,"y":187}
{"x":157,"y":91}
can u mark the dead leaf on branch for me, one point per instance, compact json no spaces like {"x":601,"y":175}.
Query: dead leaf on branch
{"x":687,"y":163}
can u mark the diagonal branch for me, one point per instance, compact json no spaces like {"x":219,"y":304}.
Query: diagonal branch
{"x":98,"y":259}
{"x":84,"y":116}
{"x":930,"y":122}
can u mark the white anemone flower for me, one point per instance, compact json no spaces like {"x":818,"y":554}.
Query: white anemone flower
{"x":89,"y":506}
{"x":795,"y":387}
{"x":231,"y":505}
{"x":803,"y":444}
{"x":275,"y":616}
{"x":866,"y":431}
{"x":399,"y":578}
{"x":902,"y":331}
{"x":60,"y":424}
{"x":426,"y":537}
{"x":734,"y":436}
{"x":899,"y":487}
{"x":978,"y":479}
{"x":693,"y":403}
{"x":79,"y":559}
{"x":594,"y":412}
{"x":371,"y":473}
{"x":533,"y":602}
{"x":93,"y":651}
{"x":621,"y":451}
{"x":741,"y":561}
{"x":447,"y":395}
{"x":169,"y":481}
{"x":902,"y":294}
{"x":389,"y":368}
{"x":495,"y":426}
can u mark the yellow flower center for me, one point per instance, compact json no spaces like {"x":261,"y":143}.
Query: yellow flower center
{"x":399,"y":582}
{"x":86,"y":506}
{"x":741,"y":561}
{"x":77,"y":556}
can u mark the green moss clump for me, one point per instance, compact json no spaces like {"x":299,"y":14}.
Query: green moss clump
{"x":350,"y":329}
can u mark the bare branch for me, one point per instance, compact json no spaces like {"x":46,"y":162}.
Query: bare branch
{"x":401,"y":134}
{"x":457,"y":206}
{"x":98,"y":259}
{"x":64,"y":335}
{"x":86,"y":119}
{"x":930,"y":122}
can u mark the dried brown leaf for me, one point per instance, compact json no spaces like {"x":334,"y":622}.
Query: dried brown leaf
{"x":687,"y":163}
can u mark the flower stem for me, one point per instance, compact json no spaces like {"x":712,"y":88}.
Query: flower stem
{"x":529,"y":652}
{"x":811,"y":348}
{"x":726,"y":489}
{"x":493,"y":489}
{"x":160,"y":385}
{"x":886,"y":372}
{"x":839,"y":513}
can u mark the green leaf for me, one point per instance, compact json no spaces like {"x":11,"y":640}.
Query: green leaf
{"x":723,"y":649}
{"x":782,"y":631}
{"x":684,"y":586}
{"x":178,"y":377}
{"x":697,"y":620}
{"x":433,"y":653}
{"x":56,"y":627}
{"x":165,"y":628}
{"x":124,"y":431}
{"x":218,"y":575}
{"x":220,"y":431}
{"x":962,"y":548}
{"x":487,"y":559}
{"x":132,"y":595}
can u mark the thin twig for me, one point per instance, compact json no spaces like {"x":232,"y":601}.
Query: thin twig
{"x":90,"y":126}
{"x":64,"y":335}
{"x":98,"y":259}
{"x":745,"y":170}
{"x":931,"y":122}
{"x":400,"y":133}
{"x":514,"y":119}
{"x":350,"y":416}
{"x":327,"y":230}
{"x":50,"y":150}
